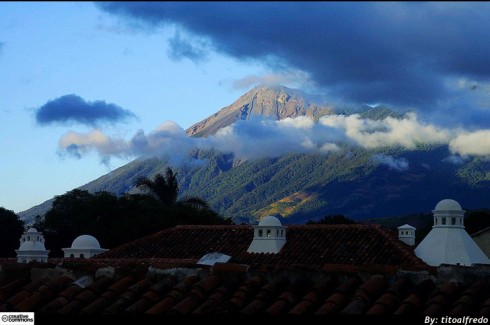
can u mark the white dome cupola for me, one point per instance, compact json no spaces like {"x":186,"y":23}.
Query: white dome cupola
{"x":269,"y":236}
{"x":84,"y":246}
{"x":32,"y":247}
{"x":448,"y":242}
{"x":448,"y":213}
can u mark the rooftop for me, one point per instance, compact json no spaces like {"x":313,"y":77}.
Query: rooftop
{"x":152,"y":287}
{"x":321,"y":270}
{"x":310,"y":245}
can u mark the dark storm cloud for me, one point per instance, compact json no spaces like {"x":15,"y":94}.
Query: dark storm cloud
{"x":399,"y":53}
{"x":71,"y":109}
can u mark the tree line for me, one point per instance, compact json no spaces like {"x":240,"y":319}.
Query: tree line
{"x":111,"y":219}
{"x":117,"y":220}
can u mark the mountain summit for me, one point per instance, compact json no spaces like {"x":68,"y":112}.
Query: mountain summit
{"x":277,"y":101}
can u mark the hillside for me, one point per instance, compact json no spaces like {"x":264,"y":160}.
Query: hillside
{"x":299,"y":187}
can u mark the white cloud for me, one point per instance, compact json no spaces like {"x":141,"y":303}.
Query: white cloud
{"x":79,"y":144}
{"x":400,"y":164}
{"x":471,"y":143}
{"x":292,"y":78}
{"x":260,"y":138}
{"x":406,"y":132}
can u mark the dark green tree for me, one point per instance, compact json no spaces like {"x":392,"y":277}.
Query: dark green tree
{"x":117,"y":220}
{"x":166,"y":189}
{"x":11,"y":228}
{"x":76,"y":213}
{"x":163,"y":188}
{"x":476,"y":220}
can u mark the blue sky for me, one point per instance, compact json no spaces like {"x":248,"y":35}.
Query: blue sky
{"x":86,"y":88}
{"x":50,"y":50}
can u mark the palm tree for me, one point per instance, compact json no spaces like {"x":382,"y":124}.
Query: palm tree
{"x":166,"y":189}
{"x":193,"y":201}
{"x":163,"y":188}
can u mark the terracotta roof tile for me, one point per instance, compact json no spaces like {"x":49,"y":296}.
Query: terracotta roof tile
{"x":265,"y":296}
{"x":197,"y":295}
{"x":345,"y":269}
{"x":230,"y":267}
{"x":389,"y":300}
{"x":175,"y":295}
{"x":214,"y":300}
{"x":10,"y":287}
{"x":71,"y":291}
{"x":307,"y":245}
{"x":468,"y":303}
{"x":43,"y":294}
{"x":384,"y":304}
{"x":108,"y":297}
{"x":415,"y":301}
{"x":168,"y":302}
{"x":63,"y":298}
{"x":317,"y":293}
{"x":128,"y":297}
{"x":272,"y":292}
{"x":365,"y":295}
{"x":26,"y":291}
{"x":485,"y":307}
{"x":86,"y":296}
{"x":337,"y":301}
{"x":290,"y":296}
{"x":282,"y":304}
{"x":243,"y":295}
{"x":150,"y":297}
{"x":442,"y":299}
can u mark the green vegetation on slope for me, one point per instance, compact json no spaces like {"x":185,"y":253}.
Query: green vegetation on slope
{"x":345,"y":182}
{"x":116,"y":220}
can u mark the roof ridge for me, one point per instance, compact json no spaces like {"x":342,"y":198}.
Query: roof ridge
{"x":362,"y":243}
{"x":480,"y":231}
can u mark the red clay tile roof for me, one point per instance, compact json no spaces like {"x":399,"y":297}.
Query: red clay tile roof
{"x":53,"y":288}
{"x":310,"y":246}
{"x":322,"y":270}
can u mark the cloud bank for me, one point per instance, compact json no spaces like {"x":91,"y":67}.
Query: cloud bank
{"x":72,"y":109}
{"x":267,"y":138}
{"x":398,"y":53}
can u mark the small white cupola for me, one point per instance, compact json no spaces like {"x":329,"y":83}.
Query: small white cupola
{"x":448,"y":242}
{"x":84,"y":246}
{"x":406,"y":234}
{"x":32,"y":247}
{"x":269,"y":236}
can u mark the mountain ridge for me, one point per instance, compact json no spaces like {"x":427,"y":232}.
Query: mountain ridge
{"x":277,"y":102}
{"x":299,"y":187}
